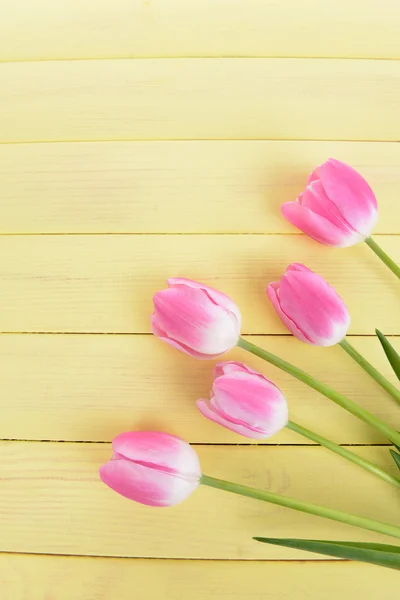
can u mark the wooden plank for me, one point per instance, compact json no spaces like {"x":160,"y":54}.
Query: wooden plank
{"x":105,"y":283}
{"x":200,"y":99}
{"x":72,"y":382}
{"x":52,"y":501}
{"x":61,"y":578}
{"x":127,"y":28}
{"x":168,"y":187}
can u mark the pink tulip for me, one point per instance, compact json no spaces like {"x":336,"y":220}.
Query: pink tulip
{"x":196,"y":319}
{"x":337,"y":208}
{"x":309,"y":307}
{"x":151,"y":467}
{"x":245,"y":402}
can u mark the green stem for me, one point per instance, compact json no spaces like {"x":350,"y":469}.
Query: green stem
{"x":370,"y":369}
{"x":307,"y":507}
{"x":383,"y":256}
{"x":351,"y":456}
{"x":324,"y":389}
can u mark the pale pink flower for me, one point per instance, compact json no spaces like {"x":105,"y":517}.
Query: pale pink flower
{"x":309,"y":307}
{"x":245,"y":402}
{"x":151,"y":467}
{"x":196,"y":319}
{"x":337,"y":208}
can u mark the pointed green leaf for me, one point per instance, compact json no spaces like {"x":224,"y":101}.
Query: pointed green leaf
{"x":392,"y":355}
{"x":383,"y":555}
{"x":396,"y":458}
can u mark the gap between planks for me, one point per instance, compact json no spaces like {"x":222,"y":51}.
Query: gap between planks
{"x":146,"y":333}
{"x":198,"y":140}
{"x":195,"y":139}
{"x":196,"y":444}
{"x":164,"y":558}
{"x":161,"y":233}
{"x":200,"y":57}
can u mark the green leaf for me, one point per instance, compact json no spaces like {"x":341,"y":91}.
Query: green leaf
{"x":392,"y":356}
{"x":383,"y":555}
{"x":396,"y":458}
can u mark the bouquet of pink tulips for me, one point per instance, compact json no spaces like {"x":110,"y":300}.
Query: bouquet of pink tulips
{"x":337,"y":208}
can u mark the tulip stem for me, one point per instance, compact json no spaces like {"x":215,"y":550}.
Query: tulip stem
{"x":324,"y":389}
{"x":383,"y":256}
{"x":351,"y":456}
{"x":370,"y":369}
{"x":307,"y":507}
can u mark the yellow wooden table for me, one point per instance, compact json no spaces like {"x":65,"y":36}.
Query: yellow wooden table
{"x":144,"y":139}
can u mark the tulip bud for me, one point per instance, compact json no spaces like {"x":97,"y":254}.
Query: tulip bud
{"x":151,"y":467}
{"x":196,"y":319}
{"x":245,"y":401}
{"x":309,"y":307}
{"x":337,"y":208}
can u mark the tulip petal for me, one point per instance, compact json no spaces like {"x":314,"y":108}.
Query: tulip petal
{"x":250,"y":400}
{"x":316,"y":308}
{"x":145,"y":485}
{"x":160,"y":451}
{"x":231,"y":366}
{"x":273,"y":295}
{"x":298,"y":267}
{"x":316,"y":199}
{"x":313,"y":177}
{"x":188,"y":317}
{"x":217,"y":297}
{"x":163,"y":336}
{"x":351,"y":194}
{"x":241,"y":429}
{"x":316,"y":226}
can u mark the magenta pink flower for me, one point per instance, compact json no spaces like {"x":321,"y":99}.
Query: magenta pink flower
{"x":151,"y":467}
{"x":337,"y":208}
{"x":196,"y":319}
{"x":245,"y":402}
{"x":309,"y":307}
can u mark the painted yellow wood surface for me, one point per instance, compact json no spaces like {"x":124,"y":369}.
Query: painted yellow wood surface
{"x":131,"y":28}
{"x":105,"y":283}
{"x":200,"y":99}
{"x":158,"y":158}
{"x":52,"y":501}
{"x":88,"y":387}
{"x":169,"y":187}
{"x":39,"y":577}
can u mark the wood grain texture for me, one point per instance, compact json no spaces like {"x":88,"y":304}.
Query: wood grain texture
{"x":195,"y":139}
{"x":52,"y":501}
{"x":169,"y":187}
{"x":60,"y":578}
{"x":132,"y":28}
{"x":91,"y":387}
{"x":199,"y":99}
{"x":105,"y":283}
